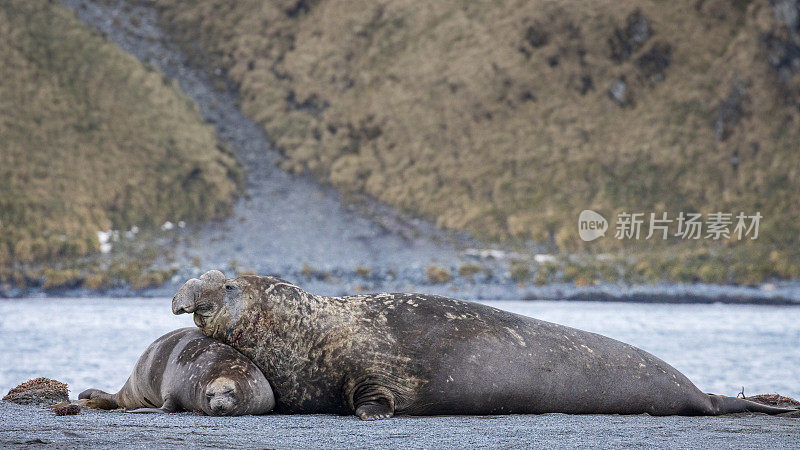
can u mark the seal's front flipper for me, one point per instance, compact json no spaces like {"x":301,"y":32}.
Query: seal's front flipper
{"x":372,"y":402}
{"x":148,"y":410}
{"x":169,"y":406}
{"x":374,"y":411}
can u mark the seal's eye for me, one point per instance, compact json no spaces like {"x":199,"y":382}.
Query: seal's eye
{"x":229,"y":287}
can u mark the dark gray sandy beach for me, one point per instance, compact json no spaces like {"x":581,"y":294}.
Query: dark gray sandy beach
{"x":30,"y":427}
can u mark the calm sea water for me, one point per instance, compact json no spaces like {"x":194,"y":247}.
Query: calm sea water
{"x":722,"y":348}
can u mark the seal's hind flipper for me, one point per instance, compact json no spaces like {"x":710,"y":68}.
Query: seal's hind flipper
{"x":98,"y":403}
{"x":729,"y":405}
{"x":97,"y":399}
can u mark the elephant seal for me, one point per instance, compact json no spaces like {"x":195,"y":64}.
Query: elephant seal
{"x":386,"y":354}
{"x":187,"y":371}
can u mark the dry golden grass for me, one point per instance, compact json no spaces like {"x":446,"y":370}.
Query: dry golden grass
{"x":437,"y":275}
{"x":90,"y":139}
{"x":496,"y":118}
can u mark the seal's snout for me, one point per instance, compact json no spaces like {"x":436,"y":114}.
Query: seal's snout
{"x":184,"y":300}
{"x":181,"y":309}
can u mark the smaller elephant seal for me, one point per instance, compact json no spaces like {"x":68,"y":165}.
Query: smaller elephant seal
{"x":187,"y":371}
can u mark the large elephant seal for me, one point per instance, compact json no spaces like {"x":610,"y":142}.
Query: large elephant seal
{"x":187,"y":371}
{"x":385,"y":354}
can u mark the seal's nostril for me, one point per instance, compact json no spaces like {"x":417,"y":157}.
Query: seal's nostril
{"x":184,"y":301}
{"x":182,"y":305}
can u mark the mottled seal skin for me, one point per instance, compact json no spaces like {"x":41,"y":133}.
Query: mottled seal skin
{"x":385,"y":354}
{"x":186,"y":371}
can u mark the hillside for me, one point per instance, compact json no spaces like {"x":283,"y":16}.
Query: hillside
{"x":506,"y":119}
{"x":92,"y":140}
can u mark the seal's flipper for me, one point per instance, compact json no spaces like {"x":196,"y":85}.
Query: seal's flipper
{"x":729,"y":405}
{"x":148,"y":410}
{"x":374,"y":411}
{"x":169,"y":406}
{"x":95,"y":398}
{"x":373,"y":402}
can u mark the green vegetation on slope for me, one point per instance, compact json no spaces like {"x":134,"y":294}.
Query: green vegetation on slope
{"x":91,"y":140}
{"x":507,"y":118}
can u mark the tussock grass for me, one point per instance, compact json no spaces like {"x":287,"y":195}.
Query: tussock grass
{"x":90,"y":140}
{"x":497,"y":117}
{"x":437,"y":275}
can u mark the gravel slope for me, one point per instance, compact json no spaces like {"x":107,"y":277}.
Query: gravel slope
{"x":293,"y":227}
{"x":282,"y":222}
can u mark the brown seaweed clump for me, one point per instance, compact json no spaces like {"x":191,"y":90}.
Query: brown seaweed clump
{"x":38,"y":392}
{"x":774,"y":400}
{"x":66,"y":409}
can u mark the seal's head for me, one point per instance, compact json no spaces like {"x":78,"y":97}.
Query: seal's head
{"x":220,"y":303}
{"x":205,"y":297}
{"x":221,"y":396}
{"x":238,"y":393}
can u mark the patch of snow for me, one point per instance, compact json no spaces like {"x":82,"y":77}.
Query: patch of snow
{"x":485,"y":253}
{"x":544,"y":258}
{"x":103,"y":236}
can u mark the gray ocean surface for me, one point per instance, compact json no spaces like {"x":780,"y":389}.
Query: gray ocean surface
{"x":722,"y":348}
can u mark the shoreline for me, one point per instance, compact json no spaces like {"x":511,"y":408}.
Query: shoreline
{"x":772,"y":294}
